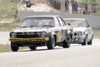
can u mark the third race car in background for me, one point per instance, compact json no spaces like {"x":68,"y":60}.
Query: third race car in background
{"x":83,"y":33}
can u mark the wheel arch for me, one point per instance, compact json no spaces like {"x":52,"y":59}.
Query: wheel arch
{"x":55,"y":36}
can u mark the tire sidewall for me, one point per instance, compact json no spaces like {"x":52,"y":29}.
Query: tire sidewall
{"x":51,"y":42}
{"x":32,"y":47}
{"x":85,"y":41}
{"x":90,"y":42}
{"x":66,"y":44}
{"x":14,"y":47}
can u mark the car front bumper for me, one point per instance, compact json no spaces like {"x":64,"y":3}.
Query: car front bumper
{"x":43,"y":39}
{"x":77,"y":39}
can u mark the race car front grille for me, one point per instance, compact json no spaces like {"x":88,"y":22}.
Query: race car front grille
{"x":27,"y":35}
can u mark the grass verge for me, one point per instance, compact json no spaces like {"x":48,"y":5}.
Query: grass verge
{"x":4,"y":48}
{"x":96,"y":33}
{"x":8,"y":9}
{"x":8,"y":26}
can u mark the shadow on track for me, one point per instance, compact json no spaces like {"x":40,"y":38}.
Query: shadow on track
{"x":45,"y":48}
{"x":42,"y":49}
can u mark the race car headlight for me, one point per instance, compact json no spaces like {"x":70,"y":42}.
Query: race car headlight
{"x":78,"y":33}
{"x":43,"y":34}
{"x":12,"y":35}
{"x":85,"y":32}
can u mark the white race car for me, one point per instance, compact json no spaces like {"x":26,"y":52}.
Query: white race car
{"x":40,"y":31}
{"x":82,"y":31}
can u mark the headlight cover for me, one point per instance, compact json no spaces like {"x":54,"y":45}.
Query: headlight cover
{"x":78,"y":33}
{"x":44,"y":34}
{"x":12,"y":35}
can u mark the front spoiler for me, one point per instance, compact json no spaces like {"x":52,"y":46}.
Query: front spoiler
{"x":44,"y":39}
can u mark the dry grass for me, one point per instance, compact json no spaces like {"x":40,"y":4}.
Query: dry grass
{"x":5,"y":48}
{"x":96,"y":33}
{"x":8,"y":26}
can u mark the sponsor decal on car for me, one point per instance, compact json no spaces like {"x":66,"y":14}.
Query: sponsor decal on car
{"x":29,"y":39}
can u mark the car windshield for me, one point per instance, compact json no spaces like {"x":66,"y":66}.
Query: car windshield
{"x":38,"y":22}
{"x":76,"y":23}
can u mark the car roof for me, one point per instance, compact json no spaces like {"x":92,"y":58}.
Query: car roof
{"x":43,"y":16}
{"x":74,"y":19}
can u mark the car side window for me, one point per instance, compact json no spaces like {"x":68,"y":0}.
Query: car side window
{"x":61,"y":22}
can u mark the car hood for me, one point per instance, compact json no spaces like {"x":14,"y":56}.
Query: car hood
{"x":76,"y":29}
{"x":30,"y":29}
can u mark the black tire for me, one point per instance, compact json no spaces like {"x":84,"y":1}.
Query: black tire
{"x":51,"y":43}
{"x":14,"y":47}
{"x":32,"y":47}
{"x":90,"y":42}
{"x":66,"y":44}
{"x":84,"y":42}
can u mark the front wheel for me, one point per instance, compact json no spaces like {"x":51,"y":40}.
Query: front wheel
{"x":51,"y":43}
{"x":14,"y":47}
{"x":85,"y":41}
{"x":32,"y":47}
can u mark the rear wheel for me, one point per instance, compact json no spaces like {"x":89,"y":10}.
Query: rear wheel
{"x":90,"y":42}
{"x":32,"y":47}
{"x":85,"y":41}
{"x":14,"y":47}
{"x":66,"y":44}
{"x":51,"y":43}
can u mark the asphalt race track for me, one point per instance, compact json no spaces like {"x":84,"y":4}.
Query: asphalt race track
{"x":4,"y":36}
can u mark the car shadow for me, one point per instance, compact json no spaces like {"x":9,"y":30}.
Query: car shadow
{"x":44,"y":49}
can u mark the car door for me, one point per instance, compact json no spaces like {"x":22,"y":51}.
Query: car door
{"x":58,"y":30}
{"x":63,"y":27}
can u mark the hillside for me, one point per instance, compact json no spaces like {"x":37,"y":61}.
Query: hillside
{"x":38,"y":6}
{"x":8,"y":8}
